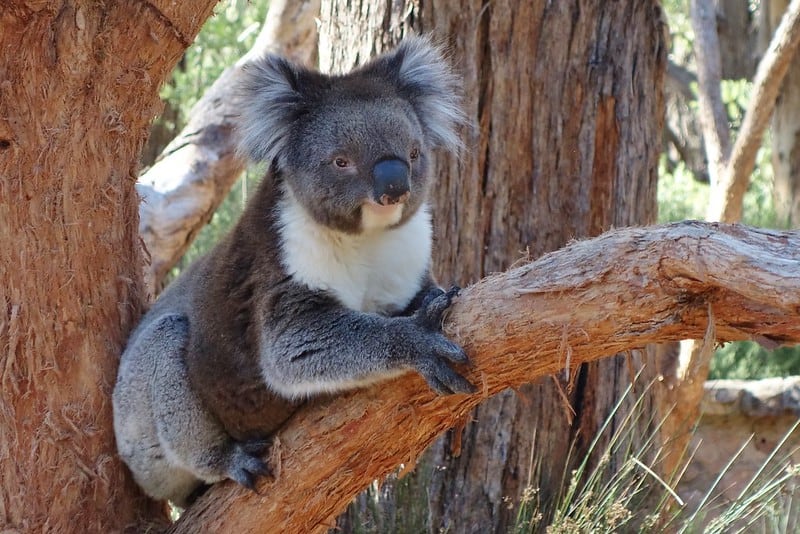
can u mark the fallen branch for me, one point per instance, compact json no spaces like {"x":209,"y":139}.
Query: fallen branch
{"x":620,"y":291}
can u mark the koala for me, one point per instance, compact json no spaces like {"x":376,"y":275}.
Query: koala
{"x":323,"y":285}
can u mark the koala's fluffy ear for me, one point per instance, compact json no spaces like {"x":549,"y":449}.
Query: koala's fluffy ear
{"x":424,"y":77}
{"x":274,"y":92}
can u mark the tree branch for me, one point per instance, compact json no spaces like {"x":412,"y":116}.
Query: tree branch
{"x":726,"y":204}
{"x":197,"y":169}
{"x":713,"y":117}
{"x":680,"y":79}
{"x":594,"y":298}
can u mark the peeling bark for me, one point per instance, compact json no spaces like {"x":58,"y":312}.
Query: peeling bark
{"x":564,"y":143}
{"x":594,"y":298}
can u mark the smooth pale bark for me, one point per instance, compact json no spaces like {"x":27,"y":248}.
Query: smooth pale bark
{"x":614,"y":293}
{"x":79,"y":83}
{"x":197,"y":169}
{"x":785,"y":129}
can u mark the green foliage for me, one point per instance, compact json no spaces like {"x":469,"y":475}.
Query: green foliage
{"x":736,"y":97}
{"x":748,"y":360}
{"x":758,"y":205}
{"x":680,"y":30}
{"x":680,"y":195}
{"x":225,"y":37}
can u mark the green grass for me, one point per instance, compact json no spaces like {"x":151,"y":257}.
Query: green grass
{"x":635,"y":498}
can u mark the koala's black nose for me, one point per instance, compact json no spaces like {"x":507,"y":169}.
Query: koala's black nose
{"x":390,"y":181}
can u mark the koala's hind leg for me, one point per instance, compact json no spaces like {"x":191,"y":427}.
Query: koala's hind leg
{"x":135,"y":411}
{"x":191,"y":435}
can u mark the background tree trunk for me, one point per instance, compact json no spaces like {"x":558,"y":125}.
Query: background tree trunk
{"x":565,"y":145}
{"x":785,"y":127}
{"x":726,"y":199}
{"x":78,"y":87}
{"x":730,"y":170}
{"x":738,"y":38}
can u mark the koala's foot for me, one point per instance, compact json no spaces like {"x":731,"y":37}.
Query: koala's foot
{"x":434,"y":363}
{"x":245,"y":463}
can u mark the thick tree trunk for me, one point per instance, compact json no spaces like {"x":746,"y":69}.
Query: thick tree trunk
{"x":738,"y":38}
{"x":712,"y":116}
{"x":614,"y":293}
{"x":565,"y":143}
{"x":78,"y":87}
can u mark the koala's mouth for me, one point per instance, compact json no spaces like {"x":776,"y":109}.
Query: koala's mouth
{"x":390,"y":200}
{"x":375,"y":216}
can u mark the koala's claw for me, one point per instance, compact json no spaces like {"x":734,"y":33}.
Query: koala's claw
{"x":450,"y":351}
{"x":244,"y":478}
{"x":246,"y":463}
{"x":444,"y":380}
{"x":256,"y":446}
{"x":433,"y":307}
{"x":431,"y":294}
{"x":435,"y":367}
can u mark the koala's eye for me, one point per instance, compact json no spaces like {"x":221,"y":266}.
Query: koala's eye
{"x":414,"y":154}
{"x":342,"y":163}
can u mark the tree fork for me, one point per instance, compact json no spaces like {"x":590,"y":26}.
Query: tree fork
{"x":593,"y":298}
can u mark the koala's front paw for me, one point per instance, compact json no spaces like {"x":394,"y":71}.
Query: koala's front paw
{"x":436,"y":351}
{"x":245,"y":463}
{"x":434,"y":304}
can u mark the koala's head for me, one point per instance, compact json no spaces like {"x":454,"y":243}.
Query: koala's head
{"x":353,"y":149}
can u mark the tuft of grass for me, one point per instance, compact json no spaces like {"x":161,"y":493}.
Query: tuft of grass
{"x":635,"y":498}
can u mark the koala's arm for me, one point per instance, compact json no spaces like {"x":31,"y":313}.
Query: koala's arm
{"x":314,"y":345}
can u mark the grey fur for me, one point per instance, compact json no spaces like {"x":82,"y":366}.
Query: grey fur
{"x":276,"y":92}
{"x":254,"y":328}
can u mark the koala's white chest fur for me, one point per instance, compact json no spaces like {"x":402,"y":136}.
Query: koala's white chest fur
{"x":377,"y":271}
